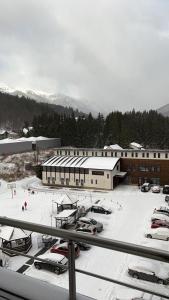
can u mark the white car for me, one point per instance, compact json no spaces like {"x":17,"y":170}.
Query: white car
{"x":158,"y":233}
{"x":157,"y":216}
{"x":155,"y":189}
{"x":90,"y":221}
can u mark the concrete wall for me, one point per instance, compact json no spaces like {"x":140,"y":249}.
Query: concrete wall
{"x":26,"y":146}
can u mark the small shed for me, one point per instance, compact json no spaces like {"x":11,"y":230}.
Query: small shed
{"x":65,"y":217}
{"x":15,"y":239}
{"x":64,"y":202}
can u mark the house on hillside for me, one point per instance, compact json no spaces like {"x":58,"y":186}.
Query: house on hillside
{"x":3,"y":134}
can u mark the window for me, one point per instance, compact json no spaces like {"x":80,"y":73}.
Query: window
{"x":100,"y":173}
{"x":166,"y":155}
{"x":107,"y":176}
{"x":83,"y":153}
{"x":67,"y":181}
{"x":62,"y":181}
{"x":132,"y":154}
{"x":111,"y":153}
{"x":92,"y":153}
{"x":60,"y":152}
{"x":86,"y":153}
{"x":147,"y":155}
{"x":125,"y":154}
{"x":143,"y":154}
{"x":77,"y":152}
{"x":53,"y":180}
{"x":102,"y":153}
{"x":74,"y":152}
{"x":48,"y":180}
{"x":57,"y":152}
{"x":158,"y":155}
{"x":105,"y":153}
{"x":154,"y":155}
{"x":77,"y":182}
{"x":117,"y":167}
{"x":95,"y":153}
{"x":136,"y":154}
{"x":82,"y":182}
{"x":121,"y":154}
{"x":96,"y":181}
{"x":65,"y":152}
{"x":68,"y":152}
{"x":91,"y":181}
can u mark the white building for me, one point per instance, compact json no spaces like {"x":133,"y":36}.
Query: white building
{"x":79,"y":171}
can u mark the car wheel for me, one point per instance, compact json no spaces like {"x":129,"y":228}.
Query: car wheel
{"x":160,"y":281}
{"x":57,"y":271}
{"x":135,"y":276}
{"x":37,"y":266}
{"x":149,"y":236}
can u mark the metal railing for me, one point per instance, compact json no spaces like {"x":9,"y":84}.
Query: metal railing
{"x":155,"y":254}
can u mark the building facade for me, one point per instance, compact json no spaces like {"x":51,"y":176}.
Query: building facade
{"x":82,"y":171}
{"x":141,"y":165}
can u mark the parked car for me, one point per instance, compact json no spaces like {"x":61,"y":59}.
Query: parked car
{"x":160,"y":223}
{"x":166,"y":189}
{"x":63,"y":249}
{"x":148,"y":274}
{"x":100,"y":210}
{"x":145,"y":187}
{"x":50,"y":258}
{"x":81,"y":245}
{"x":160,"y":216}
{"x":155,"y":189}
{"x":167,"y":199}
{"x":159,"y":234}
{"x":162,"y":209}
{"x":90,"y":221}
{"x":86,"y":228}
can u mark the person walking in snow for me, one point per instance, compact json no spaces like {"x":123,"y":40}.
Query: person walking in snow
{"x":25,"y":204}
{"x":22,"y":207}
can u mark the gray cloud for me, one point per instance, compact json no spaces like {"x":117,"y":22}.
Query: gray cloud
{"x":113,"y":52}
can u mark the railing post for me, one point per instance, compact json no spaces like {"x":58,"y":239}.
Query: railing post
{"x":72,"y":276}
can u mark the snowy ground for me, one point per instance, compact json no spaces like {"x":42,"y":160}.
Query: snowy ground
{"x":129,"y":221}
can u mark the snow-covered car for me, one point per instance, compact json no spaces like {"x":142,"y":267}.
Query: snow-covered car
{"x":155,"y":189}
{"x":86,"y":228}
{"x":90,"y":221}
{"x":159,"y":216}
{"x":162,"y":209}
{"x":52,"y":258}
{"x":101,"y":210}
{"x":159,"y":223}
{"x":159,"y":234}
{"x":148,"y":274}
{"x":63,"y":249}
{"x":145,"y":187}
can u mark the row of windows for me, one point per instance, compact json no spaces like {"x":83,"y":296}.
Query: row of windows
{"x":104,"y":153}
{"x":143,"y":168}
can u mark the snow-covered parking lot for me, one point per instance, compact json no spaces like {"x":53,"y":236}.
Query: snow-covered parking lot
{"x":129,"y":221}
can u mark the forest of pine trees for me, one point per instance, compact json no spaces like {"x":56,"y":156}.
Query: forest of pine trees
{"x":147,"y":128}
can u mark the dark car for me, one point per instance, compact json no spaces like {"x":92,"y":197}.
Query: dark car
{"x":100,"y":210}
{"x":159,"y":223}
{"x":63,"y":249}
{"x":167,"y":199}
{"x":145,"y":187}
{"x":166,"y":189}
{"x":50,"y":260}
{"x":144,"y":273}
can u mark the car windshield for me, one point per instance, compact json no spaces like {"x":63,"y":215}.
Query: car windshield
{"x":93,"y":221}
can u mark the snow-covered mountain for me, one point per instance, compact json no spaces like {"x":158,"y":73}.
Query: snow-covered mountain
{"x":57,"y":99}
{"x":164,"y":110}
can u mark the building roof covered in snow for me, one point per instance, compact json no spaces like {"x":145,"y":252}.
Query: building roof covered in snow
{"x":64,"y":199}
{"x":134,"y":145}
{"x":114,"y":147}
{"x":12,"y":233}
{"x":100,"y":163}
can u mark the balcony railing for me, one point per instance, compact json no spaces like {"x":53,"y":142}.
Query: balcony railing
{"x":151,"y":253}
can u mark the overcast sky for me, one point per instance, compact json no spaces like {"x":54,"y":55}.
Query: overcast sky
{"x":115,"y":53}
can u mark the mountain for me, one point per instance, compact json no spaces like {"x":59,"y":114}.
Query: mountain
{"x":164,"y":110}
{"x":56,"y":99}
